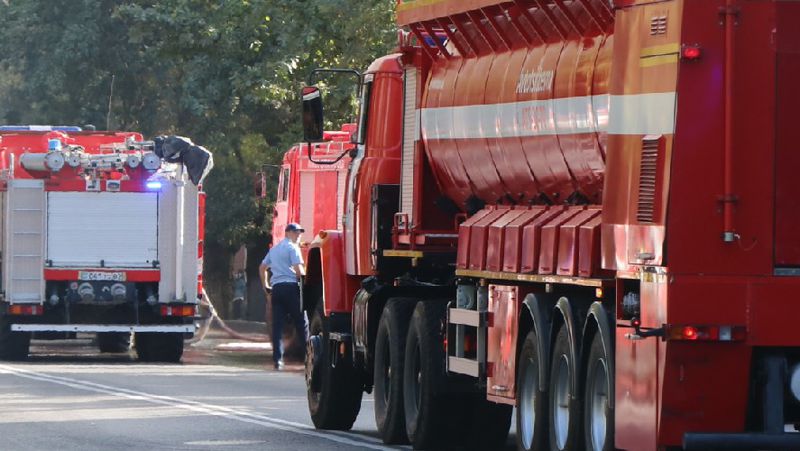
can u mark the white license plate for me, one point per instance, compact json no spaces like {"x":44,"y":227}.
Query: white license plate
{"x":100,"y":275}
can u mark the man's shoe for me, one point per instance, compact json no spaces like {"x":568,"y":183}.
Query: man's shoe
{"x":279,"y":365}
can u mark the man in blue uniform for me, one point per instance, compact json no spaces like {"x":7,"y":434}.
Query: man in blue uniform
{"x":285,"y":262}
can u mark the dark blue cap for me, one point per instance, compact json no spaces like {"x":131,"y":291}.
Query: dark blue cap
{"x":294,"y":227}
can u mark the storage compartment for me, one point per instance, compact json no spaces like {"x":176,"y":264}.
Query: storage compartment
{"x":102,"y":229}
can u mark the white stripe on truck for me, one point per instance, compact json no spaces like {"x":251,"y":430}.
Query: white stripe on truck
{"x":634,"y":114}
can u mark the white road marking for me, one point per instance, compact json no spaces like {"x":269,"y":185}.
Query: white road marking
{"x":344,"y":438}
{"x":224,"y":442}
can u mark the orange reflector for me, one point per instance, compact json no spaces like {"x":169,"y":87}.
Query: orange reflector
{"x":18,"y":309}
{"x":342,"y":348}
{"x":178,"y":310}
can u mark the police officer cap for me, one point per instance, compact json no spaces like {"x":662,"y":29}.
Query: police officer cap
{"x":294,"y":227}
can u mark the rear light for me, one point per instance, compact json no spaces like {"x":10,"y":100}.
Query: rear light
{"x":706,"y":333}
{"x":178,"y":310}
{"x":691,"y":52}
{"x":18,"y":309}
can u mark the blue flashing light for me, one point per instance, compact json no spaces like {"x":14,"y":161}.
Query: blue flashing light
{"x":39,"y":128}
{"x":154,"y":185}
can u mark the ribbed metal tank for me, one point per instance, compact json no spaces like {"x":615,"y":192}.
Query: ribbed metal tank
{"x":516,"y":112}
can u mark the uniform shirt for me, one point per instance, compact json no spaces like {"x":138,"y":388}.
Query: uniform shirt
{"x":281,"y":259}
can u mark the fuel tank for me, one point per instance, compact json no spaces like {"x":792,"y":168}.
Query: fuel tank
{"x":517,"y":111}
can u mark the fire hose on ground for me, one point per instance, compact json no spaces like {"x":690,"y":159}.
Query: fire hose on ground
{"x":205,"y":325}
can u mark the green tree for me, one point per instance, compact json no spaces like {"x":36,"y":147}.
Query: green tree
{"x":226,"y":74}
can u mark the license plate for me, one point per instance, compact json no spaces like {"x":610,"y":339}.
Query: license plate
{"x":100,"y":275}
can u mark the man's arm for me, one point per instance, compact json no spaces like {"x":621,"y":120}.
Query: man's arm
{"x":297,"y":263}
{"x":263,"y":272}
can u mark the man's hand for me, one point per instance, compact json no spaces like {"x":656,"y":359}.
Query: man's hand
{"x":267,"y":288}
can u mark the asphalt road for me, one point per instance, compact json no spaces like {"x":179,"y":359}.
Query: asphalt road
{"x":224,"y":396}
{"x":68,"y":397}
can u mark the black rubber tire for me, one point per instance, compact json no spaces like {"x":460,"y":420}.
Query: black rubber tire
{"x":598,"y":361}
{"x":114,"y":341}
{"x":530,"y":355}
{"x":490,"y":425}
{"x":159,"y":347}
{"x":390,"y":343}
{"x":335,"y":403}
{"x":573,"y":433}
{"x":424,"y":402}
{"x":13,"y":345}
{"x":474,"y":423}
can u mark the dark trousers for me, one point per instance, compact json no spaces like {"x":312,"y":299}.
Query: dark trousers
{"x":286,"y":301}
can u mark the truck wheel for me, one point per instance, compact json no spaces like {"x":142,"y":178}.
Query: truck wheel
{"x":423,"y":400}
{"x":13,"y":345}
{"x":531,"y":403}
{"x":389,"y":360}
{"x":159,"y":347}
{"x":114,"y":341}
{"x":598,"y":414}
{"x":334,"y":393}
{"x":564,"y":409}
{"x":476,"y":423}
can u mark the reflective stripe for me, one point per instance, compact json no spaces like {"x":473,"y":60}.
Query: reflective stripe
{"x":163,"y":328}
{"x":643,"y":114}
{"x":636,"y":114}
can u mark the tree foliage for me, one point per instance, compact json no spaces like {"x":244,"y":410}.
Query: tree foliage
{"x":225,"y":73}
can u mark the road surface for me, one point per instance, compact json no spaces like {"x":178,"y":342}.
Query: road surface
{"x":223,"y":397}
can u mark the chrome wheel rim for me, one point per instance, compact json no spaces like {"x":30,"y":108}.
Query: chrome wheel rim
{"x":387,"y":372}
{"x":598,"y":398}
{"x":527,"y":404}
{"x":417,"y":384}
{"x":561,"y":402}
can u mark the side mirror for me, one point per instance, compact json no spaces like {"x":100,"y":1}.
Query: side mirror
{"x":312,"y":114}
{"x":260,"y":185}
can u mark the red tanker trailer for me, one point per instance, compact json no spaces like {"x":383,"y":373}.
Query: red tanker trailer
{"x":582,"y":208}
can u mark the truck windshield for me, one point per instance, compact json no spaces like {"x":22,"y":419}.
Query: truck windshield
{"x":363,"y":115}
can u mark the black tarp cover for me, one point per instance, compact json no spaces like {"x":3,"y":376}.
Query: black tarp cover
{"x":177,"y":149}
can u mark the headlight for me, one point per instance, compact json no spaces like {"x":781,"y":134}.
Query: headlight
{"x":794,"y":381}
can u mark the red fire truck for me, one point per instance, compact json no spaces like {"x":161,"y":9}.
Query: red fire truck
{"x":582,"y":208}
{"x":99,"y":234}
{"x":311,"y":188}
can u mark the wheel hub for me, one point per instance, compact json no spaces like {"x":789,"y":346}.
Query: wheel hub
{"x":313,"y":362}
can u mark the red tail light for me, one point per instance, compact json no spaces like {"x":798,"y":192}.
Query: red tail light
{"x":706,"y":333}
{"x":178,"y":310}
{"x":691,"y":52}
{"x":18,"y":309}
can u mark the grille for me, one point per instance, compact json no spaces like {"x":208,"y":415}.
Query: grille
{"x":648,"y":173}
{"x":658,"y":25}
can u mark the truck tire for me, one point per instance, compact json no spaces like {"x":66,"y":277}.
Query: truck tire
{"x":334,"y":393}
{"x":390,"y":343}
{"x":423,"y":401}
{"x":159,"y":347}
{"x":564,"y":409}
{"x":531,"y":402}
{"x":490,"y":426}
{"x":114,"y":341}
{"x":13,"y":345}
{"x":474,"y":423}
{"x":598,"y":413}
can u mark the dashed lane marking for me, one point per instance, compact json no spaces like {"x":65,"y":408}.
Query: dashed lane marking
{"x":344,"y":438}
